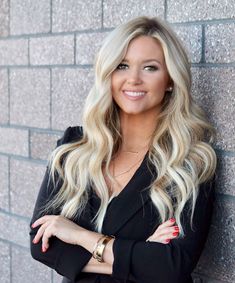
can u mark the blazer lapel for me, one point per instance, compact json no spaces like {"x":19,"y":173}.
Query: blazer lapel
{"x":130,"y":200}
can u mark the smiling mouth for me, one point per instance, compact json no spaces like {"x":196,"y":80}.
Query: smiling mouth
{"x":134,"y":93}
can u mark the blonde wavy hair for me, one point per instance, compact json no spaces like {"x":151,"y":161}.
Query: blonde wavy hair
{"x":182,"y":158}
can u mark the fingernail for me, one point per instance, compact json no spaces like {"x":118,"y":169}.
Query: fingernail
{"x":44,"y":249}
{"x":34,"y":241}
{"x":172,"y":219}
{"x":176,"y":228}
{"x":168,"y":240}
{"x":33,"y":225}
{"x":175,"y":233}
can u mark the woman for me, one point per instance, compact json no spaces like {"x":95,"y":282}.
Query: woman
{"x":128,"y":197}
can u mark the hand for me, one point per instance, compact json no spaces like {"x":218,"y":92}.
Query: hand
{"x":58,"y":226}
{"x":165,"y":232}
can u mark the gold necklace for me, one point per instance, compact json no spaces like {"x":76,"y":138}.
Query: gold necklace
{"x":126,"y":171}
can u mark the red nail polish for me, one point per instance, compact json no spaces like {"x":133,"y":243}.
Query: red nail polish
{"x":32,"y":225}
{"x":176,"y":228}
{"x":175,"y":233}
{"x":172,"y":219}
{"x":168,"y":240}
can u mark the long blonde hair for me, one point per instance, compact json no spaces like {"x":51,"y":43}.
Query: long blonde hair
{"x":182,"y":158}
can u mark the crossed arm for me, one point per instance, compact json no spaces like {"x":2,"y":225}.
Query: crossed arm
{"x":58,"y":242}
{"x":71,"y":233}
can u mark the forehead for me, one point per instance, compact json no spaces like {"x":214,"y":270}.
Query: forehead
{"x":144,"y":47}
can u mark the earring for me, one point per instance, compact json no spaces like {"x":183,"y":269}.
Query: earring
{"x":169,"y":89}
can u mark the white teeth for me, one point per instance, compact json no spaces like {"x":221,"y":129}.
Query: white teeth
{"x":134,"y":93}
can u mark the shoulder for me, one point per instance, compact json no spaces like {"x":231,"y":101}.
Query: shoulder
{"x":71,"y":134}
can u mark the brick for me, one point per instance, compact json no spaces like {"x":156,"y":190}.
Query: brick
{"x":56,"y":277}
{"x":74,"y":15}
{"x":198,"y":278}
{"x":191,"y":39}
{"x":69,"y":89}
{"x":219,"y":43}
{"x":27,"y":270}
{"x":42,"y":144}
{"x":117,"y":11}
{"x":213,"y":89}
{"x":5,"y":262}
{"x":4,"y":184}
{"x":3,"y":97}
{"x":183,"y":11}
{"x":14,"y":141}
{"x":29,"y":16}
{"x":14,"y":229}
{"x":25,"y":180}
{"x":30,"y":97}
{"x":52,"y":50}
{"x":4,"y":18}
{"x":226,"y":175}
{"x":14,"y":52}
{"x":87,"y":45}
{"x":218,"y":258}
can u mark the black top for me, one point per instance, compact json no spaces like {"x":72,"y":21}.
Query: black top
{"x":131,"y":218}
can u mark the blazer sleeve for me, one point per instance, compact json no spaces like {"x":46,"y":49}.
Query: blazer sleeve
{"x":68,"y":260}
{"x":155,"y":262}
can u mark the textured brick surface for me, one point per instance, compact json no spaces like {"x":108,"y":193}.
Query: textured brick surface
{"x":87,"y":45}
{"x":220,"y":43}
{"x":3,"y":97}
{"x":4,"y":199}
{"x":218,"y":259}
{"x":52,"y":50}
{"x":42,"y":144}
{"x":14,"y":141}
{"x":30,"y":97}
{"x":5,"y":262}
{"x":70,"y":87}
{"x":214,"y":88}
{"x":73,"y":15}
{"x":183,"y":11}
{"x":226,"y":172}
{"x":14,"y":229}
{"x":4,"y":18}
{"x":118,"y":11}
{"x":27,"y":270}
{"x":30,"y":16}
{"x":56,"y":277}
{"x":191,"y":39}
{"x":14,"y":52}
{"x":25,"y":180}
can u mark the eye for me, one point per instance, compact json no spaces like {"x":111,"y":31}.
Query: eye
{"x":122,"y":66}
{"x":151,"y":68}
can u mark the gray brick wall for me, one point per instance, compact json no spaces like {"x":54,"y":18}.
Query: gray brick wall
{"x":47,"y":50}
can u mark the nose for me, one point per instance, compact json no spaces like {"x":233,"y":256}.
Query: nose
{"x":134,"y":77}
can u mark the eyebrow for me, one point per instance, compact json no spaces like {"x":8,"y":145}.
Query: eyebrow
{"x":145,"y":61}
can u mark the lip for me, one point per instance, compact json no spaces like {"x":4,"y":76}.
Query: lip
{"x":142,"y":93}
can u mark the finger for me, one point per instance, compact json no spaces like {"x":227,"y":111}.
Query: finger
{"x":168,"y":230}
{"x":45,"y":239}
{"x":42,"y":220}
{"x":40,"y":233}
{"x":166,"y":238}
{"x":164,"y":234}
{"x":164,"y":231}
{"x":167,"y":223}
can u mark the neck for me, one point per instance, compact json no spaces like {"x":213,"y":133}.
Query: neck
{"x":136,"y":131}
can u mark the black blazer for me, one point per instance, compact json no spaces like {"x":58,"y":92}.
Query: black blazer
{"x":131,"y":218}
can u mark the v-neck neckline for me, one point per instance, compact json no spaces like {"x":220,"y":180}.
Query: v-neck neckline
{"x":125,"y":188}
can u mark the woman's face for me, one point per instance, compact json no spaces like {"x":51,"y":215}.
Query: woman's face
{"x":139,"y":83}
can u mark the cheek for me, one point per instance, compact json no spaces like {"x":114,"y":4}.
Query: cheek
{"x":116,"y":82}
